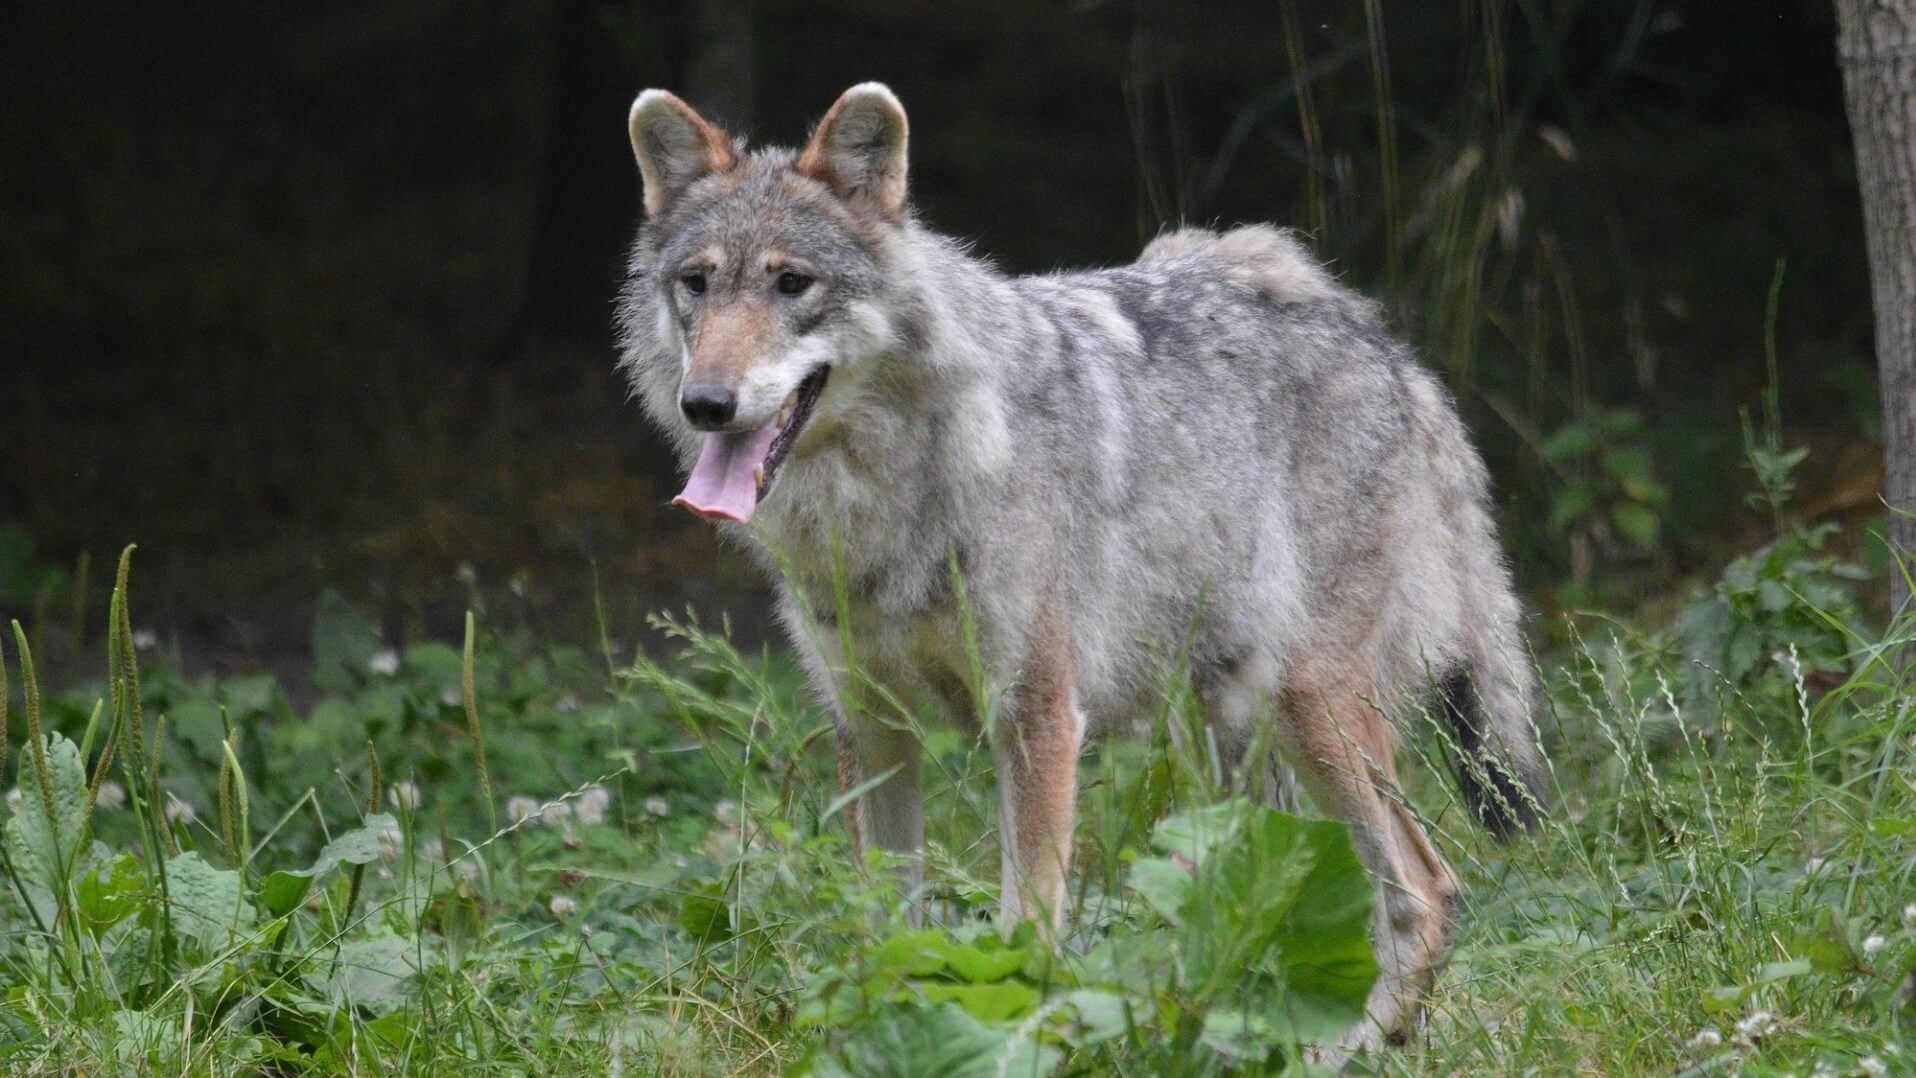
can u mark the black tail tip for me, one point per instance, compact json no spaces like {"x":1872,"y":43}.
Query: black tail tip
{"x":1504,"y":797}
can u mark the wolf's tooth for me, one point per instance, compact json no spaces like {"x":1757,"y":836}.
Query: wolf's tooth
{"x":758,"y":475}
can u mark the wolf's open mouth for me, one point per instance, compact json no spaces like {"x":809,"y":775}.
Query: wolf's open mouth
{"x":734,"y":471}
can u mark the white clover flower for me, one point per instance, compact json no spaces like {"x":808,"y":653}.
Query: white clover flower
{"x":467,"y":870}
{"x":1873,"y":944}
{"x":1909,"y":915}
{"x":178,"y":811}
{"x":726,"y":812}
{"x":1705,"y":1039}
{"x":433,"y":849}
{"x":591,"y":805}
{"x":563,"y":905}
{"x":658,"y":806}
{"x":554,"y":813}
{"x":566,"y":704}
{"x":1758,"y":1024}
{"x":391,"y":841}
{"x":404,"y":796}
{"x":385,"y":662}
{"x":15,"y":799}
{"x":145,"y":640}
{"x":1823,"y":1070}
{"x":452,"y":698}
{"x":1873,"y":1067}
{"x":111,"y":797}
{"x":519,"y":807}
{"x":466,"y":574}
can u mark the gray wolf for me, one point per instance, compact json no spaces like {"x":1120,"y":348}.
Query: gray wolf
{"x":1217,"y":443}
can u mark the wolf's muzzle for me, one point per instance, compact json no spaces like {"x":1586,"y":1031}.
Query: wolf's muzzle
{"x":708,"y":407}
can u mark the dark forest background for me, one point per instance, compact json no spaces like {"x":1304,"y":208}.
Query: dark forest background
{"x":318,"y":297}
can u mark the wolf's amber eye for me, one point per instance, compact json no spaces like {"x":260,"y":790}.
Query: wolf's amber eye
{"x":694,"y":283}
{"x":791,"y":284}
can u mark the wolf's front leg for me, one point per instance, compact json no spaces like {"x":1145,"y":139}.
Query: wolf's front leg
{"x":1035,"y":746}
{"x":891,"y":815}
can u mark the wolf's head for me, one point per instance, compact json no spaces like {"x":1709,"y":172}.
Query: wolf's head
{"x":754,"y":277}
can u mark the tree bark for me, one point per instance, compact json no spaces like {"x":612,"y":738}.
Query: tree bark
{"x":1876,"y":43}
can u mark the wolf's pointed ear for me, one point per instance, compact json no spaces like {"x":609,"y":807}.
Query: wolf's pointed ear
{"x":675,"y":146}
{"x":859,"y":149}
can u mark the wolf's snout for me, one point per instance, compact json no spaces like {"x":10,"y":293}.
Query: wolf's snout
{"x":708,"y":407}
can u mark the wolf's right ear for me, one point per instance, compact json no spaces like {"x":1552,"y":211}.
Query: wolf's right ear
{"x":859,"y":149}
{"x":675,"y":147}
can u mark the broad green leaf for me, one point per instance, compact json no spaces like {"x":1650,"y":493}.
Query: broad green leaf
{"x":368,"y":972}
{"x":941,"y":1041}
{"x":1637,"y":523}
{"x":43,"y":847}
{"x":1194,"y":833}
{"x":999,"y":1002}
{"x":108,"y":894}
{"x":1162,"y":883}
{"x":206,"y":905}
{"x":1101,"y":1016}
{"x":1240,"y":1035}
{"x":282,"y":892}
{"x":359,"y":846}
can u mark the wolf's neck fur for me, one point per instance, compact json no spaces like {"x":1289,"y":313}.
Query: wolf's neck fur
{"x":917,"y":437}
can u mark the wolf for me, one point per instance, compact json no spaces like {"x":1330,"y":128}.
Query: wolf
{"x":1217,"y":451}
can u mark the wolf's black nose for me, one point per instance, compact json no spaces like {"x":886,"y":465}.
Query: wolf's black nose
{"x":708,"y":407}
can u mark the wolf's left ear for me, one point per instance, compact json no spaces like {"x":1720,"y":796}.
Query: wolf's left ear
{"x":675,"y":146}
{"x":859,"y":149}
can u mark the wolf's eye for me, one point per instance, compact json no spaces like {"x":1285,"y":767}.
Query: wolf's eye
{"x":791,"y":284}
{"x":694,"y":283}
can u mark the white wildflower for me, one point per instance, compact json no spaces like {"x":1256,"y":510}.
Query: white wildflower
{"x":145,"y":640}
{"x":1872,"y":945}
{"x":1872,"y":1066}
{"x":1822,"y":1070}
{"x":451,"y":698}
{"x":520,"y":807}
{"x":391,"y":841}
{"x":466,"y":574}
{"x":518,"y":585}
{"x":658,"y":806}
{"x":178,"y":811}
{"x":112,"y":796}
{"x":563,"y":905}
{"x":1759,"y":1024}
{"x":404,"y":796}
{"x":1813,"y":866}
{"x":591,"y":805}
{"x":1909,"y":915}
{"x":566,"y":703}
{"x":467,"y":870}
{"x":726,"y":812}
{"x":385,"y":662}
{"x":15,"y":799}
{"x":1705,"y":1039}
{"x":433,"y":849}
{"x":555,"y":813}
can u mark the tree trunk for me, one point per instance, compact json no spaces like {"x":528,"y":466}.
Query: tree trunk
{"x":1876,"y":42}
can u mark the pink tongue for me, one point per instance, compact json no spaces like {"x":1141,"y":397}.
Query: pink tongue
{"x":724,"y":484}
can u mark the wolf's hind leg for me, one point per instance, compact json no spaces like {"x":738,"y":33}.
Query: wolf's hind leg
{"x":1035,"y":747}
{"x":1341,"y":747}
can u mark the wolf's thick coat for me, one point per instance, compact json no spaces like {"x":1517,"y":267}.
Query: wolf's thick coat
{"x":1218,"y":443}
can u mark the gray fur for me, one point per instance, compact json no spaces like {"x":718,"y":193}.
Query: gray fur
{"x":1220,"y":421}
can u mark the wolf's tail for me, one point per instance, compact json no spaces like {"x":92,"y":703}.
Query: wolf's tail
{"x":1499,"y":765}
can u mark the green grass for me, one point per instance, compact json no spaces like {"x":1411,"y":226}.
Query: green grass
{"x":211,"y":881}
